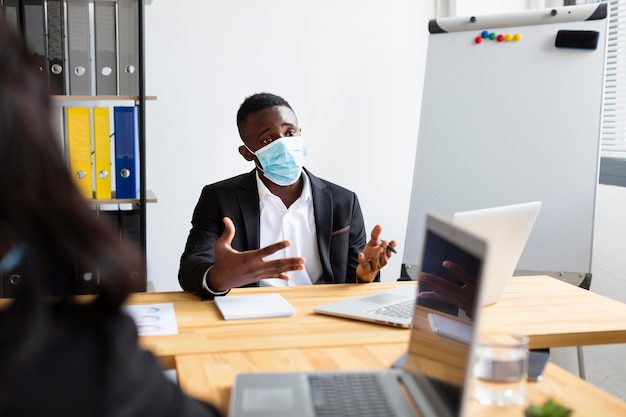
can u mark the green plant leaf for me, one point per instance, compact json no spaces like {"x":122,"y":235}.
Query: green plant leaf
{"x":548,"y":409}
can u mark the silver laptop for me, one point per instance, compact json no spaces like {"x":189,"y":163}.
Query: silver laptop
{"x":393,"y":307}
{"x":507,"y":229}
{"x":434,"y":379}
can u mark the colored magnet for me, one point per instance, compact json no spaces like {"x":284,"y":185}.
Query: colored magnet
{"x":500,"y":38}
{"x":478,"y":39}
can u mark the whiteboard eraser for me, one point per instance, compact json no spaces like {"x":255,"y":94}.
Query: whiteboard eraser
{"x":577,"y":39}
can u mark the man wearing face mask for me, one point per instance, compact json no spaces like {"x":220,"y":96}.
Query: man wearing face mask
{"x":279,"y":224}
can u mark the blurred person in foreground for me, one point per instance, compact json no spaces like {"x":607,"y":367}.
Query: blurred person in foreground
{"x":63,"y":355}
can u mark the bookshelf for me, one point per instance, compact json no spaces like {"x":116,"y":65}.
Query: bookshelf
{"x":92,"y":52}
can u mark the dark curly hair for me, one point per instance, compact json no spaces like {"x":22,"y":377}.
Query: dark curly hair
{"x":258,"y":102}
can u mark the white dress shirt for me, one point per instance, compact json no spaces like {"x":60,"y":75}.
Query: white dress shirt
{"x":296,"y":224}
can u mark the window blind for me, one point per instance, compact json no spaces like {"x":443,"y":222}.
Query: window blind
{"x":613,"y":143}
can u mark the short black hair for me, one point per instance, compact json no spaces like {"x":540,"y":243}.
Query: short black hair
{"x":258,"y":102}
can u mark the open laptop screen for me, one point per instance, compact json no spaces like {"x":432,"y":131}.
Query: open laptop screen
{"x":507,"y":228}
{"x":445,"y":312}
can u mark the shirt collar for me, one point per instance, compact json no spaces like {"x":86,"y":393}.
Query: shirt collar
{"x":304,"y":196}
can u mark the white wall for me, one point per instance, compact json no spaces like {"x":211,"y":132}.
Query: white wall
{"x":351,"y":69}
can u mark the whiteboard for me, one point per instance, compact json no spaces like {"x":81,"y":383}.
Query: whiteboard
{"x":512,"y":121}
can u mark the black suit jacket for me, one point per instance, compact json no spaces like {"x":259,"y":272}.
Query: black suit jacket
{"x":339,"y":223}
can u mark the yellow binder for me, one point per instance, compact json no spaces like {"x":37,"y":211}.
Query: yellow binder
{"x":102,"y":151}
{"x":79,"y":148}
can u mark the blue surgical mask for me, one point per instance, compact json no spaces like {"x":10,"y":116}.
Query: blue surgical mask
{"x":282,"y":160}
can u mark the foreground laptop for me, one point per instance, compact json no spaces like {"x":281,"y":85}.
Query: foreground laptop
{"x":434,"y":380}
{"x":507,"y":229}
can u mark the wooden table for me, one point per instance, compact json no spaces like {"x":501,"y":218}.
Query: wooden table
{"x":554,"y":313}
{"x":210,"y":376}
{"x":209,"y":351}
{"x":551,"y":312}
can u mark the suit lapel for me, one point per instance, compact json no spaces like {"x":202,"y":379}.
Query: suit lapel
{"x":323,"y":209}
{"x":248,"y":197}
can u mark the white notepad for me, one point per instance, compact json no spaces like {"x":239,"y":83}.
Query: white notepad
{"x":238,"y":307}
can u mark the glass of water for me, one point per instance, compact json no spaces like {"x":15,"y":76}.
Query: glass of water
{"x":500,"y":369}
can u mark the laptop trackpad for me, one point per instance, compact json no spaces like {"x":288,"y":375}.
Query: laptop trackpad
{"x":268,"y":398}
{"x":383,"y":298}
{"x":273,"y":395}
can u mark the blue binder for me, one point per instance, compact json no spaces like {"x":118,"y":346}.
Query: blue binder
{"x":126,"y":152}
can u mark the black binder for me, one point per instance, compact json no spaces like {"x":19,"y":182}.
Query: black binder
{"x":125,"y":221}
{"x":11,"y":12}
{"x":11,"y":280}
{"x":34,"y":29}
{"x":55,"y":54}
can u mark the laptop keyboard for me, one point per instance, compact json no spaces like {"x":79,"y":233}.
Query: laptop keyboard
{"x":347,"y":395}
{"x":402,"y":310}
